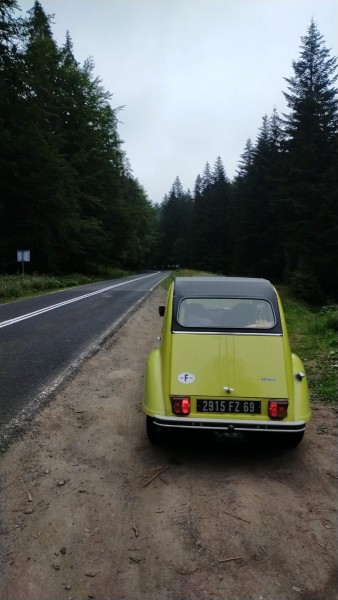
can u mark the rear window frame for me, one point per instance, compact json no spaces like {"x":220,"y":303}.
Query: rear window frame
{"x":178,"y":327}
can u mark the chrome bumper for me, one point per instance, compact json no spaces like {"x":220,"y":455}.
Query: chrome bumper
{"x":228,"y":425}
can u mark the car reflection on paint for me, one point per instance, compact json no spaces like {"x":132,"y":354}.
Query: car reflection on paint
{"x":224,"y":364}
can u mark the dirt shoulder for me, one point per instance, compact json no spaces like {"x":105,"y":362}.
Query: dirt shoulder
{"x":91,"y":510}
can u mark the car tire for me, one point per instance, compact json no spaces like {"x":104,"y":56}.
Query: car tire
{"x":154,"y":433}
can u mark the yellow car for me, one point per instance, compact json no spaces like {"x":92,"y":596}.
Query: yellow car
{"x":225,"y":363}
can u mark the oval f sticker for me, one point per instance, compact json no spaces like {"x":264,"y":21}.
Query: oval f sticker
{"x":186,"y":378}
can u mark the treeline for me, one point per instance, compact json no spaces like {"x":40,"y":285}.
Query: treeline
{"x":67,"y":191}
{"x":279,"y":217}
{"x":68,"y":194}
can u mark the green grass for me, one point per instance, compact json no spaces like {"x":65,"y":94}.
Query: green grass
{"x":313,"y":336}
{"x":14,"y":287}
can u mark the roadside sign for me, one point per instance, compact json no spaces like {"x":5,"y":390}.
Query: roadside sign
{"x":23,"y":256}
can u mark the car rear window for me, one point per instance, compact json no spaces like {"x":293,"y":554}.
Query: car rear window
{"x":226,"y":313}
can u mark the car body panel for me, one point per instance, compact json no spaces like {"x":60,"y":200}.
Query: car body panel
{"x":301,"y":404}
{"x":253,"y":366}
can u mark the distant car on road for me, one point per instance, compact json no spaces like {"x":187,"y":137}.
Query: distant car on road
{"x":225,"y":363}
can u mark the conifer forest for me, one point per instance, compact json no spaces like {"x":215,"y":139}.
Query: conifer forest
{"x":68,"y":192}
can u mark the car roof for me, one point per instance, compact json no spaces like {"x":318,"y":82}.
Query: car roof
{"x":224,"y":286}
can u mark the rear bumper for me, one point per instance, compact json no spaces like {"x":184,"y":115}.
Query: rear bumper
{"x":228,"y":425}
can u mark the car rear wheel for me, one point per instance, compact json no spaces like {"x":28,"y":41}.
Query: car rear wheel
{"x":153,"y":431}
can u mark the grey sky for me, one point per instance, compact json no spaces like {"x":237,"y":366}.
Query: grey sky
{"x":195,"y":76}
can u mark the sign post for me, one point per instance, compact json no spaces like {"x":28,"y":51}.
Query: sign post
{"x":23,"y":256}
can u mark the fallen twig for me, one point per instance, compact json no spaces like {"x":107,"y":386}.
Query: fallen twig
{"x":143,"y":538}
{"x":136,"y":531}
{"x":231,"y":515}
{"x":322,"y":545}
{"x":224,"y":560}
{"x":246,"y":562}
{"x":136,"y":560}
{"x":235,"y":517}
{"x":250,"y":558}
{"x":331,"y":475}
{"x":154,"y":476}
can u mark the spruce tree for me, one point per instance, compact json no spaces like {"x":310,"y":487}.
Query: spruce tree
{"x":11,"y":115}
{"x":176,"y":226}
{"x":241,"y":214}
{"x":246,"y":159}
{"x":311,"y":130}
{"x":46,"y":206}
{"x":211,"y":226}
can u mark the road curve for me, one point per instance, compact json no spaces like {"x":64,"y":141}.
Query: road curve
{"x":44,"y":339}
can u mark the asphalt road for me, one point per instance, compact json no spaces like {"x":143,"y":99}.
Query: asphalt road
{"x":44,"y":339}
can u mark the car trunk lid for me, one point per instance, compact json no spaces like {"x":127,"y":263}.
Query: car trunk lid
{"x":248,"y":366}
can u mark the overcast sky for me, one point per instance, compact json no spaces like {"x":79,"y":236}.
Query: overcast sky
{"x":195,"y":77}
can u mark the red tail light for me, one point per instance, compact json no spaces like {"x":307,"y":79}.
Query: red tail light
{"x":180,"y":405}
{"x":278,"y":409}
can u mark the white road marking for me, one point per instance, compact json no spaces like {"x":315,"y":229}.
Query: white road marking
{"x":54,"y":306}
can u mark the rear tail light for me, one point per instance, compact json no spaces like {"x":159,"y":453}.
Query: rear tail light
{"x":180,"y":405}
{"x":278,"y":409}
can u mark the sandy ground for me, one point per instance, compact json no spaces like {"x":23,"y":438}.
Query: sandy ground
{"x":91,"y":510}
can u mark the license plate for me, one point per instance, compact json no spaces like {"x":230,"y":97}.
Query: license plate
{"x":247,"y":407}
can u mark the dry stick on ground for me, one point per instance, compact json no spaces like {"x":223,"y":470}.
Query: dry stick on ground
{"x":246,"y":562}
{"x":231,"y":515}
{"x":322,"y":545}
{"x":143,"y":538}
{"x":162,"y":479}
{"x":331,"y":475}
{"x":235,"y":517}
{"x":154,"y":476}
{"x":97,"y":558}
{"x":224,"y":560}
{"x":136,"y":531}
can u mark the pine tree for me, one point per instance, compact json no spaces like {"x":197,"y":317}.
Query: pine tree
{"x":48,"y":207}
{"x":218,"y":174}
{"x":68,"y":193}
{"x":211,"y":227}
{"x":198,"y":188}
{"x":311,"y":129}
{"x":246,"y":159}
{"x":176,"y":226}
{"x":11,"y":114}
{"x":206,"y":177}
{"x":241,"y":214}
{"x":140,"y":235}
